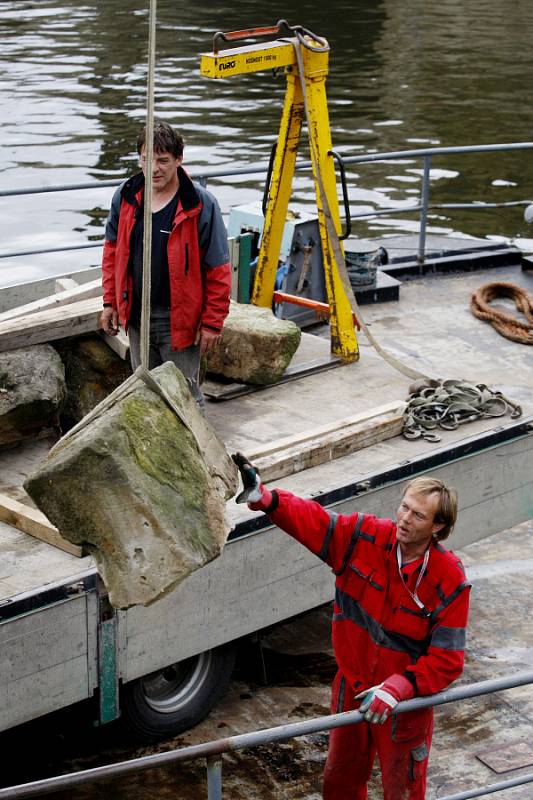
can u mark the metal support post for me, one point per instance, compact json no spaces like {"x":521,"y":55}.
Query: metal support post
{"x":244,"y":285}
{"x":214,"y":777}
{"x":343,"y":336}
{"x":108,"y":658}
{"x":108,"y":696}
{"x":424,"y":199}
{"x":305,"y":58}
{"x":279,"y":195}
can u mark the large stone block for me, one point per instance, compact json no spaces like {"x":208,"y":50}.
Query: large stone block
{"x":133,"y":487}
{"x":32,"y":390}
{"x":256,"y":347}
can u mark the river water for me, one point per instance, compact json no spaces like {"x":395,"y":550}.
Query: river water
{"x":402,"y":75}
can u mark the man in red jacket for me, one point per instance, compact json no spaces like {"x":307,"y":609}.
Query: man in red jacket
{"x":399,"y":623}
{"x":190,"y":267}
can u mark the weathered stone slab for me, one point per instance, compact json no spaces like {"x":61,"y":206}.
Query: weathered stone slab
{"x":92,"y":371}
{"x":32,"y":390}
{"x":133,"y":488}
{"x":256,"y":347}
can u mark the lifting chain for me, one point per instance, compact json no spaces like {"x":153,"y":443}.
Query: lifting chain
{"x":447,"y":404}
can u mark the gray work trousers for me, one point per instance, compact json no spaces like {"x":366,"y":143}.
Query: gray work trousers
{"x":186,"y":360}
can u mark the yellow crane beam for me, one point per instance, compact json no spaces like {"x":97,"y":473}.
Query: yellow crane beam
{"x":246,"y":59}
{"x":305,"y":96}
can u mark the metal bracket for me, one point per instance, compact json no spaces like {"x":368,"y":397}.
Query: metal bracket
{"x":348,"y":220}
{"x":108,"y":695}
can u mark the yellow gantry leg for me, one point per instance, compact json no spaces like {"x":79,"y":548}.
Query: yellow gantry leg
{"x":279,"y":194}
{"x":343,"y":336}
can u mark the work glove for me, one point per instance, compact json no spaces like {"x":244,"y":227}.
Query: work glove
{"x":379,"y":701}
{"x":254,"y":493}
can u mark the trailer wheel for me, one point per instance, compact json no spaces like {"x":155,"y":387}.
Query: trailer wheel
{"x":174,"y":699}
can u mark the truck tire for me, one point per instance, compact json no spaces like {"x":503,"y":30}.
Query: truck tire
{"x":172,"y":700}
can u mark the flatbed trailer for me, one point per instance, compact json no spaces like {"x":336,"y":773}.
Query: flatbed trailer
{"x":164,"y":666}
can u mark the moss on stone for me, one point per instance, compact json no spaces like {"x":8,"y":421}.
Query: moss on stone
{"x":165,"y":450}
{"x":134,"y":485}
{"x":256,"y":346}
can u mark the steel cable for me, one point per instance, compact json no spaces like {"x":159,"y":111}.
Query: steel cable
{"x":142,"y":372}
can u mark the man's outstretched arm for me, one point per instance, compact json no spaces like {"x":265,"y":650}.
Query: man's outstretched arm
{"x":328,"y":535}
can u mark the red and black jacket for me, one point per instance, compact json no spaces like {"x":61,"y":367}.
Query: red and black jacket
{"x":198,"y":259}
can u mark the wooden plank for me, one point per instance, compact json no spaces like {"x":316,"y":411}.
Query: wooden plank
{"x":56,"y":323}
{"x":31,"y":520}
{"x":119,"y":343}
{"x":77,"y":292}
{"x":23,"y":293}
{"x":293,"y":454}
{"x":395,"y":407}
{"x":64,"y":284}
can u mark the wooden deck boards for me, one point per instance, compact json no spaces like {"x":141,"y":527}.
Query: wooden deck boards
{"x":28,"y":564}
{"x":51,"y":324}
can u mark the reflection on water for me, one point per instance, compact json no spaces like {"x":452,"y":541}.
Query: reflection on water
{"x":402,"y":75}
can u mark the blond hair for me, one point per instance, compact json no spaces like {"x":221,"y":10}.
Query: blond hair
{"x":446,"y":512}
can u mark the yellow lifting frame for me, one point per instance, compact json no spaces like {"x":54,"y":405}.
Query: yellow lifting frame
{"x":273,"y":55}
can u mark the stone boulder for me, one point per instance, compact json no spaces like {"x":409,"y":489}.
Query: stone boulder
{"x":32,"y":391}
{"x":92,"y":371}
{"x":256,"y":347}
{"x":135,"y":490}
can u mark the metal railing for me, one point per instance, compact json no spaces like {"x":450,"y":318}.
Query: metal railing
{"x":423,"y":206}
{"x":213,"y":751}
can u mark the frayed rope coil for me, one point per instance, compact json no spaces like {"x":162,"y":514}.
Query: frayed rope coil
{"x":505,"y":323}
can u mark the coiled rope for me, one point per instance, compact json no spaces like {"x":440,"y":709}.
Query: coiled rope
{"x":504,"y":322}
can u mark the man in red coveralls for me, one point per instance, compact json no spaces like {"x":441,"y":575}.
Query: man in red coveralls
{"x":399,"y":622}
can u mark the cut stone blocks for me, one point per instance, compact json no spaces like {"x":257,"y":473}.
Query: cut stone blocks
{"x":134,"y":489}
{"x":92,"y":371}
{"x":32,"y":390}
{"x":256,"y":347}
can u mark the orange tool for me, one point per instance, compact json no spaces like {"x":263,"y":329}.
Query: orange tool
{"x":322,"y":310}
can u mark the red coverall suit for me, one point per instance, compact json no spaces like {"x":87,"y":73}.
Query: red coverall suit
{"x":378,"y":630}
